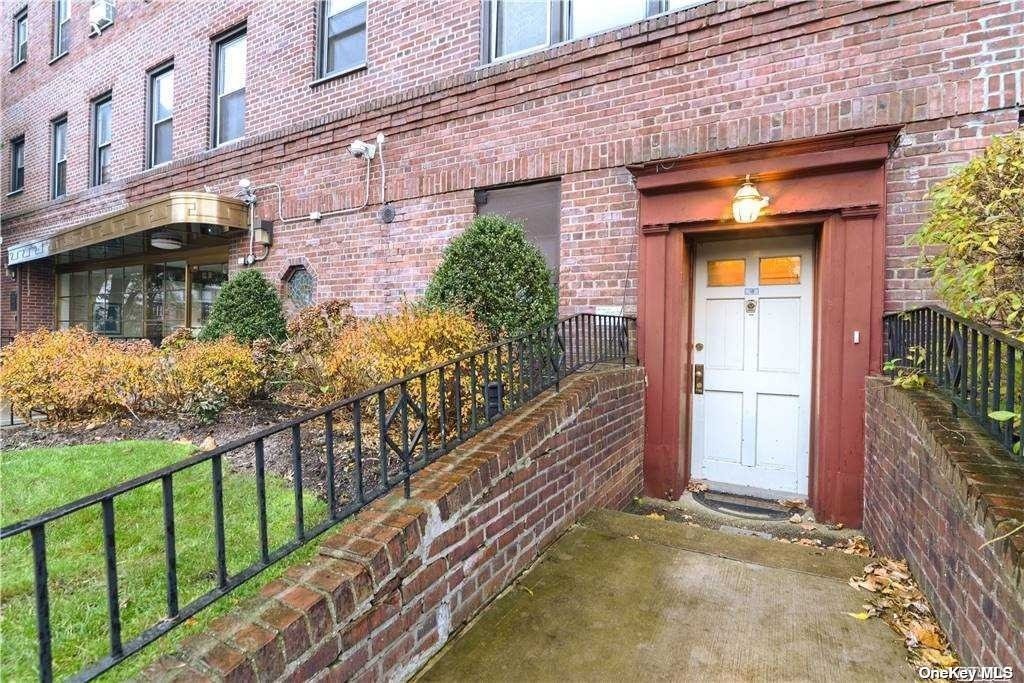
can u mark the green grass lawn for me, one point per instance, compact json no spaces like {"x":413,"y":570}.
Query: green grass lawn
{"x":33,"y":481}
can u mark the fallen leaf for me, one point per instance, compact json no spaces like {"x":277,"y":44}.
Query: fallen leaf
{"x":926,"y":635}
{"x":696,"y":486}
{"x":862,"y":616}
{"x":635,"y":537}
{"x":793,"y":503}
{"x":796,"y":519}
{"x":938,"y":658}
{"x":655,"y":515}
{"x":808,"y":527}
{"x":208,"y":444}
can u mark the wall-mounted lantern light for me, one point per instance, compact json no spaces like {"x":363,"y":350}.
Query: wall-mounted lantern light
{"x":748,"y":202}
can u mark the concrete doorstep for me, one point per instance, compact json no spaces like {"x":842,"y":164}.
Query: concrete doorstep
{"x":627,"y":598}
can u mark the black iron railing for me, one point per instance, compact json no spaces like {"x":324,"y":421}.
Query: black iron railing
{"x":371,"y":443}
{"x":980,"y":369}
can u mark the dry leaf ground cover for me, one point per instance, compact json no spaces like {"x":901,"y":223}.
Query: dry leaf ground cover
{"x":893,"y":594}
{"x":898,"y":601}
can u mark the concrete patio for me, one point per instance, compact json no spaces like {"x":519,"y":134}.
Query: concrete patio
{"x":623,"y":597}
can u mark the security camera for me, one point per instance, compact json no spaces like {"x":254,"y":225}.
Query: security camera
{"x":360,"y":149}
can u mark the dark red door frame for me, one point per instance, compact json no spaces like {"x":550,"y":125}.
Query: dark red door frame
{"x":836,"y":183}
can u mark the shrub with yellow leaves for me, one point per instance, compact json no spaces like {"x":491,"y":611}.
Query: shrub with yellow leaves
{"x":203,"y":378}
{"x":73,"y":375}
{"x":383,"y":349}
{"x":299,"y":371}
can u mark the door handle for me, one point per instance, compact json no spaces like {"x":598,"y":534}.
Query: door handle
{"x":698,"y":378}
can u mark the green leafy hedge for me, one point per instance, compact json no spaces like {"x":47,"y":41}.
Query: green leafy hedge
{"x":977,"y":221}
{"x":493,"y":271}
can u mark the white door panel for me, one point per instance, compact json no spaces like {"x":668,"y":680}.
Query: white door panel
{"x":778,"y":334}
{"x":752,"y":334}
{"x":725,"y":333}
{"x":725,"y":440}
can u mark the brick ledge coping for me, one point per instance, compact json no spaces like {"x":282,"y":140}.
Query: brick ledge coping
{"x":989,"y":484}
{"x":291,"y":630}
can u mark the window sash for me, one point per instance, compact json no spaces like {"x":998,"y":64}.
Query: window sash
{"x":496,"y":21}
{"x":61,"y":24}
{"x":560,"y":14}
{"x":160,"y":146}
{"x":60,"y":159}
{"x":346,"y":25}
{"x":20,"y":43}
{"x":226,"y":129}
{"x":17,"y":164}
{"x":101,"y":136}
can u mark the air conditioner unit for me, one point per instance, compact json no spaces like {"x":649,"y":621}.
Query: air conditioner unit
{"x":101,"y":15}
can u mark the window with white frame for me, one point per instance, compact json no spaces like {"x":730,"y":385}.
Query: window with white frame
{"x":61,"y":27}
{"x":515,"y":27}
{"x":19,"y":46}
{"x":161,"y":116}
{"x":342,"y":36}
{"x":17,"y":164}
{"x":59,"y":159}
{"x":101,"y":137}
{"x":229,"y":89}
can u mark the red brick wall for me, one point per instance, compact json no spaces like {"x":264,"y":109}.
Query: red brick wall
{"x":935,"y":490}
{"x":392,"y":585}
{"x":687,"y":82}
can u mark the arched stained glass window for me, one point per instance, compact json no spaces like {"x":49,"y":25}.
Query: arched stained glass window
{"x":301,"y":287}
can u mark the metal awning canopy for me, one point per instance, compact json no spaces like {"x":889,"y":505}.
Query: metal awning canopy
{"x":200,"y":208}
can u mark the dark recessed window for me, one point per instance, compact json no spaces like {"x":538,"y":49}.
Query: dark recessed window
{"x":59,"y":160}
{"x":229,"y":89}
{"x":514,"y":27}
{"x":161,"y":116}
{"x":19,"y":52}
{"x":537,"y":206}
{"x":301,"y":287}
{"x":17,"y":164}
{"x":61,"y":27}
{"x":342,"y":36}
{"x":101,"y":134}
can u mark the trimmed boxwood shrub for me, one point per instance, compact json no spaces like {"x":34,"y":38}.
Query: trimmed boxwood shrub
{"x":493,"y":271}
{"x":248,"y":308}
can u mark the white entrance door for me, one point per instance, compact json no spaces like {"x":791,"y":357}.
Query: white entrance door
{"x":752,"y":338}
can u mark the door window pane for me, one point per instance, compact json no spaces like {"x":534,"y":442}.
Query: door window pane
{"x":206,"y":283}
{"x":727,"y":273}
{"x":519,"y":25}
{"x":132,"y":302}
{"x":594,"y":16}
{"x":779,"y":270}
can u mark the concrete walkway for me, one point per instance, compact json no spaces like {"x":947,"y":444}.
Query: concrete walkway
{"x":679,"y":604}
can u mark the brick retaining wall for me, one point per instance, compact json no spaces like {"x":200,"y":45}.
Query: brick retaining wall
{"x":390,"y":586}
{"x":936,"y":488}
